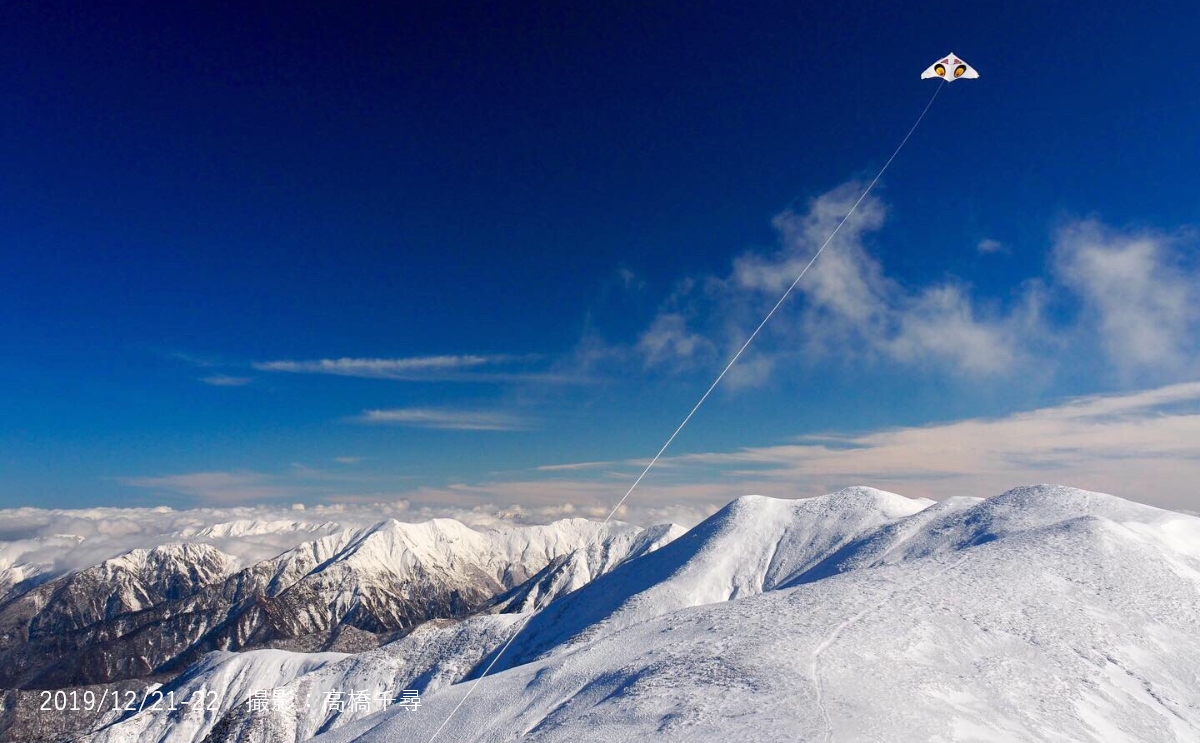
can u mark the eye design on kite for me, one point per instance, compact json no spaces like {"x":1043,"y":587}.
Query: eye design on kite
{"x":941,"y":70}
{"x":958,"y":71}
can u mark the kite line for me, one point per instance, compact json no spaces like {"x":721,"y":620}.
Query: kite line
{"x":704,"y":397}
{"x":778,"y":304}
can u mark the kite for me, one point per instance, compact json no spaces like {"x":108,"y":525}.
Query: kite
{"x":950,"y":68}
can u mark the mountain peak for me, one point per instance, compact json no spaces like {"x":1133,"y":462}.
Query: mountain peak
{"x":855,"y":499}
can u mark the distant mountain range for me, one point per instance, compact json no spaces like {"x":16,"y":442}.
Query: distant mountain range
{"x":1047,"y":613}
{"x":148,"y":614}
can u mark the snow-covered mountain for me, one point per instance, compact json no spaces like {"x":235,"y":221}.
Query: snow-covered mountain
{"x":134,"y":581}
{"x":148,"y":614}
{"x":752,"y":545}
{"x":242,"y":528}
{"x":1044,"y":614}
{"x":438,"y":653}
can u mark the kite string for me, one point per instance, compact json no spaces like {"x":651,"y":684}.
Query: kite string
{"x":778,"y":304}
{"x":692,"y":412}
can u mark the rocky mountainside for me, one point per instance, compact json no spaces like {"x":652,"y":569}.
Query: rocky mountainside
{"x":148,"y":614}
{"x":137,"y":580}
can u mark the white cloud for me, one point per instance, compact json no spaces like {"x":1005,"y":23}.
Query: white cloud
{"x":630,"y":280}
{"x":1144,"y":446}
{"x":668,"y":340}
{"x":224,"y":380}
{"x":1141,"y":296}
{"x":573,"y":466}
{"x":940,"y":326}
{"x":846,"y":305}
{"x":845,"y":283}
{"x":414,"y":367}
{"x":96,"y":534}
{"x":490,"y":368}
{"x":536,"y":501}
{"x":461,"y":420}
{"x":988,"y":246}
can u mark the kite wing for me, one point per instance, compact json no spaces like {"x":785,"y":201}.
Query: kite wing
{"x":950,"y":68}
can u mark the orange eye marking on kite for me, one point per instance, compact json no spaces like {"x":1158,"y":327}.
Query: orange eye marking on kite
{"x":940,"y":70}
{"x":958,"y":71}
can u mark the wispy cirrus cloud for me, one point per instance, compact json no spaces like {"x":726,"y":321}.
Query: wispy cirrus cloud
{"x":456,"y":420}
{"x":412,"y":367}
{"x":573,"y":466}
{"x":497,"y":368}
{"x":1142,"y":445}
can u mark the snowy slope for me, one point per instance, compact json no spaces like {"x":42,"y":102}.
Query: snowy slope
{"x":752,"y":545}
{"x":434,"y":656}
{"x":218,"y":683}
{"x":581,"y":566}
{"x":1045,"y":614}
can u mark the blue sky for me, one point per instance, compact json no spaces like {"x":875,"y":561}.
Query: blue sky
{"x":321,"y":252}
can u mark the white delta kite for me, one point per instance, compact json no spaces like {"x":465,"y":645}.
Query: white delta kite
{"x":950,"y":68}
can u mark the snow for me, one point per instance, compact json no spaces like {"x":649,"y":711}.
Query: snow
{"x":1045,"y":614}
{"x":256,"y":527}
{"x":434,"y":656}
{"x":233,"y":676}
{"x":752,"y":545}
{"x":585,"y":564}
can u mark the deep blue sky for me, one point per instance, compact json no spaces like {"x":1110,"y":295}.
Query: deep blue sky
{"x":188,"y":192}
